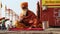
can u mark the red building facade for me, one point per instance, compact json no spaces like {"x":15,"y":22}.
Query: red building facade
{"x":52,"y":15}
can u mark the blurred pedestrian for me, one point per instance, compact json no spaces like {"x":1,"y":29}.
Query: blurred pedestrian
{"x":3,"y":24}
{"x":8,"y":24}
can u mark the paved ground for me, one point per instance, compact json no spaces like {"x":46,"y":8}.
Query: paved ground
{"x":47,"y":31}
{"x":53,"y":29}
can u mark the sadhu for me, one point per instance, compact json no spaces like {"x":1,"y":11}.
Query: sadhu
{"x":27,"y":17}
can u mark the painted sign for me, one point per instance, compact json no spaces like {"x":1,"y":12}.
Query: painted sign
{"x":51,"y":3}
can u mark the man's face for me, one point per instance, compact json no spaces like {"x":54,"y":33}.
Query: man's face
{"x":24,"y":10}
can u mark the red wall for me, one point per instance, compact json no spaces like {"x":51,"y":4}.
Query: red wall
{"x":48,"y":15}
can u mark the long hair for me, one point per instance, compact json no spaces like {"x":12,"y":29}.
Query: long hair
{"x":38,"y":10}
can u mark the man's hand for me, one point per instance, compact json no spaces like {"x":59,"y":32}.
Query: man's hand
{"x":21,"y":16}
{"x":31,"y":21}
{"x":0,"y":22}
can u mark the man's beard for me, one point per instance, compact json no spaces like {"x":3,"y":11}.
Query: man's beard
{"x":24,"y":12}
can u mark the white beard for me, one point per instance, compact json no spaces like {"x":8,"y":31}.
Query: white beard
{"x":24,"y":12}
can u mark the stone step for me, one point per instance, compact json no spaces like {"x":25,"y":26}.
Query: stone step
{"x":47,"y":31}
{"x":53,"y":29}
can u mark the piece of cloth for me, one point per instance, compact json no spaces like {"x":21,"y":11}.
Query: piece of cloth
{"x":18,"y":24}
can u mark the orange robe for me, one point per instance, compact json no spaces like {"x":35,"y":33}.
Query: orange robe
{"x":18,"y":24}
{"x":30,"y":16}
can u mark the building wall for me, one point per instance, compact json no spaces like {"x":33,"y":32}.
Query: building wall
{"x":51,"y":15}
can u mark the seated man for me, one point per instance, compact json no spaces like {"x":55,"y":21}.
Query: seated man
{"x":27,"y":17}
